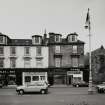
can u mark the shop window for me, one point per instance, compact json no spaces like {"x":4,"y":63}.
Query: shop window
{"x":42,"y":77}
{"x":35,"y":78}
{"x":27,"y":78}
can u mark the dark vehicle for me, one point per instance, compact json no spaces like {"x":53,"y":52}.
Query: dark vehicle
{"x":80,"y":84}
{"x":101,"y":88}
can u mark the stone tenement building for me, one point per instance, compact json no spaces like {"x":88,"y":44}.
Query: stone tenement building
{"x":62,"y":58}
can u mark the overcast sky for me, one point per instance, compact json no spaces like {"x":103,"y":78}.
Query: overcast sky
{"x":24,"y":18}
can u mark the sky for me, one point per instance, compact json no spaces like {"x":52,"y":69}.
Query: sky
{"x":20,"y":19}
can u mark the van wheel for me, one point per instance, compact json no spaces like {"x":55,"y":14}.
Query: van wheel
{"x":21,"y":92}
{"x":43,"y":91}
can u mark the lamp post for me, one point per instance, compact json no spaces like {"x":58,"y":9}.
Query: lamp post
{"x":88,"y":26}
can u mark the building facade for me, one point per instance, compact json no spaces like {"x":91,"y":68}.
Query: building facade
{"x":62,"y":58}
{"x":21,"y":55}
{"x":66,"y":58}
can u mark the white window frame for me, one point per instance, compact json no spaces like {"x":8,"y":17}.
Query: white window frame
{"x":74,"y":49}
{"x":57,"y":62}
{"x":57,"y":38}
{"x":25,"y":50}
{"x":38,"y":49}
{"x":12,"y":63}
{"x":1,"y":41}
{"x":27,"y":63}
{"x":2,"y":48}
{"x":11,"y":50}
{"x":57,"y":49}
{"x":75,"y":62}
{"x":39,"y":62}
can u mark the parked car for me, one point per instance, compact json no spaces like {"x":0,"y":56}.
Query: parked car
{"x":11,"y":84}
{"x":80,"y":84}
{"x":41,"y":87}
{"x":101,"y":88}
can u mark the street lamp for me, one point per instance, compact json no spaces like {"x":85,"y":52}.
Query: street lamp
{"x":88,"y":26}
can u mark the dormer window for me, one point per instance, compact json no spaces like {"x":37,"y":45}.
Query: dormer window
{"x":57,"y":38}
{"x":36,"y":39}
{"x":72,"y":37}
{"x":1,"y":39}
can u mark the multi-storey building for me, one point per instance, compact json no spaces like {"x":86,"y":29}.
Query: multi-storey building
{"x":66,"y":58}
{"x":21,"y":55}
{"x":62,"y":58}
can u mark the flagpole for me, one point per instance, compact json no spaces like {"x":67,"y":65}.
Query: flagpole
{"x":90,"y":89}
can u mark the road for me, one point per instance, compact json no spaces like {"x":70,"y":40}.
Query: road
{"x":56,"y":96}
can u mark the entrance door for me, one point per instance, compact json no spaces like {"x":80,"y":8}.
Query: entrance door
{"x":70,"y":79}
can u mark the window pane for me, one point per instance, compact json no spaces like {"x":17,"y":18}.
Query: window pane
{"x":39,"y":62}
{"x":1,"y":50}
{"x":26,"y":63}
{"x":42,"y":77}
{"x":27,"y":50}
{"x":27,"y":78}
{"x":73,"y":37}
{"x":37,"y":39}
{"x":13,"y":63}
{"x":75,"y":62}
{"x":57,"y":49}
{"x":1,"y":63}
{"x":1,"y":39}
{"x":38,"y":51}
{"x":35,"y":78}
{"x":57,"y":62}
{"x":13,"y":50}
{"x":74,"y":49}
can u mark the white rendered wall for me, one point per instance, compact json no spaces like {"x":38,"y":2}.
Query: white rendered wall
{"x":20,"y":57}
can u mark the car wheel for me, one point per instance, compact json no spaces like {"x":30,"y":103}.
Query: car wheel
{"x":77,"y":85}
{"x":21,"y":92}
{"x":43,"y":91}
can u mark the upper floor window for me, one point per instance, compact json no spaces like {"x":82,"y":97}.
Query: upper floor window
{"x":74,"y":50}
{"x":74,"y":62}
{"x":57,"y":38}
{"x":57,"y":62}
{"x":27,"y":50}
{"x":39,"y":62}
{"x":27,"y":63}
{"x":1,"y":63}
{"x":1,"y":50}
{"x":57,"y":49}
{"x":13,"y":50}
{"x":13,"y":63}
{"x":38,"y":51}
{"x":1,"y":39}
{"x":73,"y":38}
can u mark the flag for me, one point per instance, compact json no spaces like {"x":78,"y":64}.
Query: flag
{"x":87,"y":23}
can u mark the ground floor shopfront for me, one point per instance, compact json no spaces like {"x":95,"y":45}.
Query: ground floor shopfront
{"x":55,"y":75}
